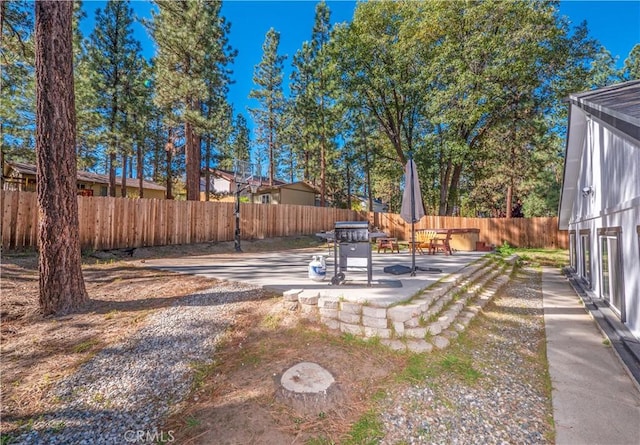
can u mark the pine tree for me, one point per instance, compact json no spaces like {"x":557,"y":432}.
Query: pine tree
{"x":300,"y":114}
{"x":192,"y":51}
{"x":142,"y":112}
{"x":113,"y":53}
{"x":240,"y":138}
{"x":238,"y":145}
{"x":217,"y":138}
{"x":268,"y":117}
{"x":322,"y":90}
{"x":17,"y":76}
{"x":87,"y":120}
{"x":62,"y":287}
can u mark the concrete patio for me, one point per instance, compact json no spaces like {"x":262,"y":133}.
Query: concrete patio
{"x":285,"y":270}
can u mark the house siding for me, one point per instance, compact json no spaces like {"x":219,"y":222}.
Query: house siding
{"x":297,"y":197}
{"x":221,"y":185}
{"x":609,"y":164}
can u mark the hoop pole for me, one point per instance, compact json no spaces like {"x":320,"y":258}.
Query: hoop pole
{"x":243,"y":175}
{"x":236,"y":240}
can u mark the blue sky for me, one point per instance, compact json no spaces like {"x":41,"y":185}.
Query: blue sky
{"x":615,"y":24}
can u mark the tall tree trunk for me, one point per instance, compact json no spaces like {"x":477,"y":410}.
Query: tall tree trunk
{"x":272,"y":161}
{"x":509,"y":212}
{"x":323,"y":148}
{"x":445,"y":175}
{"x":114,"y":148}
{"x":157,"y":151}
{"x":62,"y":288}
{"x":123,"y":179}
{"x":169,"y":151}
{"x":348,"y":186}
{"x":367,"y":167}
{"x":368,"y":179}
{"x":193,"y":158}
{"x":510,"y":173}
{"x":291,"y":163}
{"x":139,"y":166}
{"x":207,"y":165}
{"x":112,"y":174}
{"x":452,"y":198}
{"x":323,"y":172}
{"x":307,"y":160}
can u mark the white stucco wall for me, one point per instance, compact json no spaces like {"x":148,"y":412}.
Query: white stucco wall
{"x":221,"y":185}
{"x":610,"y":164}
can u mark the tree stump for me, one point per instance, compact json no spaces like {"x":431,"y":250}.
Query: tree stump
{"x":308,"y":388}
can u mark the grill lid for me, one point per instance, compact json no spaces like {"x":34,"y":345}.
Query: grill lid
{"x":352,"y":225}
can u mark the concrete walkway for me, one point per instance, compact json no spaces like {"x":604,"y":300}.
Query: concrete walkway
{"x":594,"y":399}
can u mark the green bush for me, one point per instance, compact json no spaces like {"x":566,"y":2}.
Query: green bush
{"x":506,"y":249}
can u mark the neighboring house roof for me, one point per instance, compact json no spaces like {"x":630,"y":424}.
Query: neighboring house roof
{"x":283,"y":185}
{"x":617,"y":107}
{"x":378,"y":205}
{"x":230,"y":176}
{"x":263,"y":182}
{"x":29,"y":169}
{"x":225,"y":174}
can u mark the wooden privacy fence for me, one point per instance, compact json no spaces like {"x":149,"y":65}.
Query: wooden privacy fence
{"x":115,"y":223}
{"x":518,"y":232}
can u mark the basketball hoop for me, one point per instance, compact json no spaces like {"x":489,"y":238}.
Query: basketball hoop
{"x":244,"y":175}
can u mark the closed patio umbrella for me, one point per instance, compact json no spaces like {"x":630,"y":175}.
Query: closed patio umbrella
{"x":412,"y":209}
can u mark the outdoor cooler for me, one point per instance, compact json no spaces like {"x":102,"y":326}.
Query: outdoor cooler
{"x":351,"y":250}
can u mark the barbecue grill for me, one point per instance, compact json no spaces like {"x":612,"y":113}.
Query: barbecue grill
{"x":351,"y":250}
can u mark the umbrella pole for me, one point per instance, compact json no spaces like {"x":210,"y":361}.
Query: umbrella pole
{"x":413,"y":250}
{"x":413,"y":220}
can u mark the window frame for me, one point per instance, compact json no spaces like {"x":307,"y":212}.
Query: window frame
{"x":573,"y":251}
{"x":585,"y":257}
{"x":615,"y":278}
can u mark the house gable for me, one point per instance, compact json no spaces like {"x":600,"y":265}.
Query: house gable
{"x":614,"y":114}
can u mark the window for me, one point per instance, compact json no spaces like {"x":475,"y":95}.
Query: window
{"x":606,"y":294}
{"x":585,"y":258}
{"x":573,"y":251}
{"x":265,"y":199}
{"x":612,"y":286}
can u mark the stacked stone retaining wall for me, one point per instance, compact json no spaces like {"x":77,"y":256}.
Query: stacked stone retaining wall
{"x":429,"y":319}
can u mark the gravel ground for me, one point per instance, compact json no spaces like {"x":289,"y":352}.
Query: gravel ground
{"x":123,"y":393}
{"x":507,"y":404}
{"x":126,"y":390}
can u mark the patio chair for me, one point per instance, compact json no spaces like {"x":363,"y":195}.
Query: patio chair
{"x":424,"y":239}
{"x":388,"y":243}
{"x":441,"y":242}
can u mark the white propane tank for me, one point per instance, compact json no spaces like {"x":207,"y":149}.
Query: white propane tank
{"x":317,"y":268}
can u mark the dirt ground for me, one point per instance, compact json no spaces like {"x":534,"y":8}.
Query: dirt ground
{"x":235,"y":400}
{"x":238,"y":390}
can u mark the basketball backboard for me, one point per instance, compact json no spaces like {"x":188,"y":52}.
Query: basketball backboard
{"x":244,"y":171}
